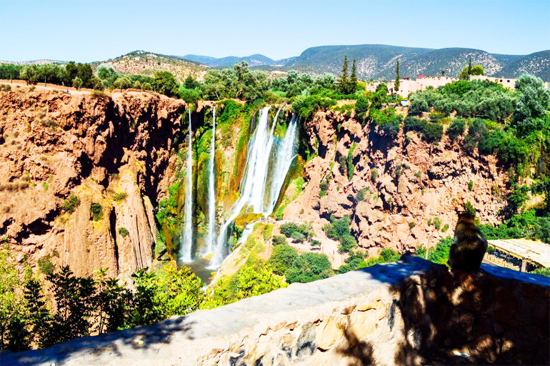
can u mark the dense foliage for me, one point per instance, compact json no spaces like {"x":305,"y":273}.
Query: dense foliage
{"x":88,"y":305}
{"x":307,"y":267}
{"x":339,"y":229}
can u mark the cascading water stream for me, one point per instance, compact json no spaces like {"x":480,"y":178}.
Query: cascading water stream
{"x":253,"y":191}
{"x":210,"y":239}
{"x":285,"y":156}
{"x":186,"y":244}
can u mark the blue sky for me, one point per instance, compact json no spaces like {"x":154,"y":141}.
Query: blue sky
{"x":84,"y":30}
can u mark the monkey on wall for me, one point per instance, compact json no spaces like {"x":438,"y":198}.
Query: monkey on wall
{"x":469,"y":246}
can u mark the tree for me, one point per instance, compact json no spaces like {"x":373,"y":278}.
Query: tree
{"x":352,"y":88}
{"x":85,"y":73}
{"x":469,"y":70}
{"x":397,"y":78}
{"x":283,"y":257}
{"x":77,"y":82}
{"x":309,"y":267}
{"x":122,"y":83}
{"x":343,"y":81}
{"x":191,"y":83}
{"x":477,"y":70}
{"x":165,"y":83}
{"x":113,"y":303}
{"x":74,"y":297}
{"x":10,"y":305}
{"x":534,"y":100}
{"x":71,"y":71}
{"x":39,"y":317}
{"x":30,"y":73}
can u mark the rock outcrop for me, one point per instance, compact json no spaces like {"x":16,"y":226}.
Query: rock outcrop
{"x":408,"y":313}
{"x":406,"y":183}
{"x":107,"y":150}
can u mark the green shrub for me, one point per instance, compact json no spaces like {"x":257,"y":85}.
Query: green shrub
{"x":119,"y":196}
{"x":542,"y":271}
{"x":388,"y":255}
{"x":387,"y":121}
{"x":71,"y":203}
{"x":123,"y":231}
{"x":342,"y":165}
{"x":282,"y":258}
{"x":471,"y":185}
{"x":445,"y":228}
{"x":288,"y":228}
{"x":323,"y":188}
{"x":298,"y":233}
{"x":279,"y":240}
{"x":437,"y":223}
{"x":306,"y":107}
{"x":361,"y":194}
{"x":97,"y":211}
{"x":374,"y":175}
{"x":430,"y":132}
{"x":309,"y":267}
{"x":297,"y":237}
{"x":45,"y":264}
{"x":457,"y":128}
{"x":339,"y":230}
{"x":412,"y":224}
{"x":354,"y":261}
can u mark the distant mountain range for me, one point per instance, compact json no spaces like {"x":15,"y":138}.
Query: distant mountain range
{"x":253,"y":60}
{"x":378,"y":61}
{"x":373,"y":62}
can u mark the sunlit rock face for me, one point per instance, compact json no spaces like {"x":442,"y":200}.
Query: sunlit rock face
{"x":408,"y":313}
{"x":94,"y":147}
{"x":398,"y":185}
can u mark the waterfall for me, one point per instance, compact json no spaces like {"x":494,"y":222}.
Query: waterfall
{"x":285,"y":156}
{"x":210,"y":239}
{"x":254,"y":190}
{"x":186,"y":244}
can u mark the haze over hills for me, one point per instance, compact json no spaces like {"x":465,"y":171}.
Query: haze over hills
{"x":229,"y":61}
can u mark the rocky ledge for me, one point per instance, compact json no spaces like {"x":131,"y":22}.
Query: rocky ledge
{"x":406,"y":313}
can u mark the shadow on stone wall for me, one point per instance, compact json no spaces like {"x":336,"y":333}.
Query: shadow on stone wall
{"x":470,"y":318}
{"x":148,"y":338}
{"x":359,"y":352}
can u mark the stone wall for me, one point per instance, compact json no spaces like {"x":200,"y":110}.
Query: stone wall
{"x":410,"y":312}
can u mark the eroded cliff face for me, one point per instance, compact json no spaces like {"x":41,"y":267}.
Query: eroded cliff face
{"x":114,"y":151}
{"x":406,"y":184}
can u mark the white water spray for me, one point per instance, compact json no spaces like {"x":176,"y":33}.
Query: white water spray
{"x":285,"y":156}
{"x":254,"y":192}
{"x":187,"y":237}
{"x":211,"y":238}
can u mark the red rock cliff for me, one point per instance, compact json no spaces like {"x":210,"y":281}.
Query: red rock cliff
{"x":54,"y":144}
{"x":406,"y":184}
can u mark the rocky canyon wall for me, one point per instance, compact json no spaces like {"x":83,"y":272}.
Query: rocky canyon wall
{"x":114,"y":151}
{"x":398,"y":187}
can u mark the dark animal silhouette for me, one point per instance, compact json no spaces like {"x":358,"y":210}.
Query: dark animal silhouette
{"x":469,"y":245}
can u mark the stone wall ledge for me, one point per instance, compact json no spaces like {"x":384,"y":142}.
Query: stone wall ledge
{"x":409,"y":312}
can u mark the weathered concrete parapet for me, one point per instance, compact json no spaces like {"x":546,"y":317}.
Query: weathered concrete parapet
{"x":410,"y":312}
